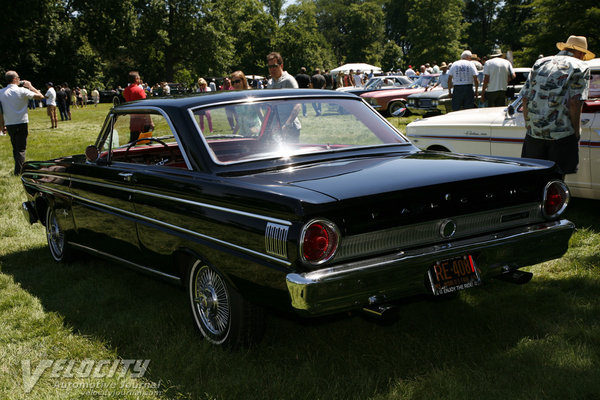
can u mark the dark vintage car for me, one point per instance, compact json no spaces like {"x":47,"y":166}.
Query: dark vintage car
{"x":314,"y":214}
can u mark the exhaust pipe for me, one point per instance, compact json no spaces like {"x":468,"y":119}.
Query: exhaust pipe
{"x":382,"y":312}
{"x":516,"y":276}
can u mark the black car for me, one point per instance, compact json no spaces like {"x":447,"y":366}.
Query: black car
{"x":248,"y":204}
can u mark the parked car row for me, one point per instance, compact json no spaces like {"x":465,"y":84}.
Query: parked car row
{"x":439,"y":101}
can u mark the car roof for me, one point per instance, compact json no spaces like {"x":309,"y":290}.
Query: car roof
{"x":210,"y":98}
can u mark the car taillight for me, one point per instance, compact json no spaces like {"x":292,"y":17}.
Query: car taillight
{"x":556,"y":198}
{"x":319,"y":241}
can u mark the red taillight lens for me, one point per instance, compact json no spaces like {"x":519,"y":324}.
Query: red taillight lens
{"x":556,"y":198}
{"x":319,"y":241}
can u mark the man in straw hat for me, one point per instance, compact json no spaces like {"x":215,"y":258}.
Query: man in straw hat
{"x":497,"y":72}
{"x":552,"y":99}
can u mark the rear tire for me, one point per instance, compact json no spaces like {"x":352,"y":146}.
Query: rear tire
{"x":60,"y":249}
{"x":220,"y":313}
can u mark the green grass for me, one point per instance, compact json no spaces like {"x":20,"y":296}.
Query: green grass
{"x":500,"y":341}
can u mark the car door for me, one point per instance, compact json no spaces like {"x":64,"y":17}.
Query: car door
{"x":103,"y":209}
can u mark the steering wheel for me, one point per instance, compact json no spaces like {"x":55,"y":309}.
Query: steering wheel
{"x":150,"y":139}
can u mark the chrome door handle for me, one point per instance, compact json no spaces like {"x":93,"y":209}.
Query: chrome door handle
{"x":127,"y":176}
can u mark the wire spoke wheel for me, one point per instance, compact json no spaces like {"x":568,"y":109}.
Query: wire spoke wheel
{"x":212,"y":301}
{"x":220,"y":313}
{"x":55,"y":236}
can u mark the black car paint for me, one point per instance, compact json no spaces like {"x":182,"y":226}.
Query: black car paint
{"x":219,"y":212}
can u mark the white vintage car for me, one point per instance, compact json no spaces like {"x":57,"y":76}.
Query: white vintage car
{"x":500,"y":131}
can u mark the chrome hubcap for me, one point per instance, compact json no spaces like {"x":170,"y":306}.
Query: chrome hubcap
{"x":55,"y":235}
{"x":212,"y":301}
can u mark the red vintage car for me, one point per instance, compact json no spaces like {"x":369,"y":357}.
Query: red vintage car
{"x":393,"y":102}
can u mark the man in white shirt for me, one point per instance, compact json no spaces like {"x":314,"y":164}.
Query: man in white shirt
{"x":461,"y":80}
{"x":14,"y":100}
{"x":51,"y":104}
{"x":497,"y":73}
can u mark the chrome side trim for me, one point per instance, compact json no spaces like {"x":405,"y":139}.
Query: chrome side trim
{"x":407,"y":236}
{"x":169,"y":226}
{"x":122,"y":260}
{"x":165,"y":197}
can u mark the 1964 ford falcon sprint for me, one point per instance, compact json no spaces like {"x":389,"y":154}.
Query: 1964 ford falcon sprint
{"x":247,"y":205}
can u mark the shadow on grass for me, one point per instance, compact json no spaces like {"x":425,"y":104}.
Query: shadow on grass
{"x":584,"y":213}
{"x":456,"y":348}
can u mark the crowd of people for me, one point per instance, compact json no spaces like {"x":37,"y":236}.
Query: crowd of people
{"x":552,"y":127}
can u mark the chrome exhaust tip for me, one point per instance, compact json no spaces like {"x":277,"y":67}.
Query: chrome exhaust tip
{"x":516,"y":276}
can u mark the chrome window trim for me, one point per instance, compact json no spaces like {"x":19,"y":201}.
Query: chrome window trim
{"x":215,"y":159}
{"x":166,"y":224}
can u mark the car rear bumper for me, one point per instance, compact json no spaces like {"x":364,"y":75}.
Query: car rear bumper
{"x":377,"y":280}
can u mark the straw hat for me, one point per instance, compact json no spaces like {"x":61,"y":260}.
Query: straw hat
{"x":578,"y":43}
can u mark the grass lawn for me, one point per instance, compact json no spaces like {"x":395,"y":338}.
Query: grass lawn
{"x":499,"y":341}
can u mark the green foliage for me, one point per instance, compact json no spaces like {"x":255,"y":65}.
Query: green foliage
{"x":98,"y":42}
{"x":553,"y":21}
{"x":435,"y":28}
{"x":391,"y":59}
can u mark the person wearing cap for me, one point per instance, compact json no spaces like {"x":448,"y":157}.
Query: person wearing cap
{"x":461,"y":80}
{"x":51,"y":105}
{"x":14,"y":99}
{"x":497,"y":72}
{"x":443,"y":77}
{"x":553,"y":96}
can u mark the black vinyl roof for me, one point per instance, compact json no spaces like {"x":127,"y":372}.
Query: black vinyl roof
{"x":206,"y":99}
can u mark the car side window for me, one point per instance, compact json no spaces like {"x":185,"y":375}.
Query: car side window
{"x":143,"y":139}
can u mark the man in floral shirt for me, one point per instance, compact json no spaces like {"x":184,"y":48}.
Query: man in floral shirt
{"x":552,"y":99}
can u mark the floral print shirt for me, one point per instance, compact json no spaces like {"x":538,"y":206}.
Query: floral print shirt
{"x":551,"y":83}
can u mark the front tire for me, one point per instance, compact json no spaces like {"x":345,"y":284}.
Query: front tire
{"x":60,"y":250}
{"x":221,"y":314}
{"x":397,"y":109}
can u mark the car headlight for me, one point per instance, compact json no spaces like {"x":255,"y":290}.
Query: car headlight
{"x":319,"y":241}
{"x":435,"y":103}
{"x":372,"y":101}
{"x":556,"y":198}
{"x":411,"y":102}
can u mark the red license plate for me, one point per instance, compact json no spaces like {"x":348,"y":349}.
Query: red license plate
{"x":453,"y":274}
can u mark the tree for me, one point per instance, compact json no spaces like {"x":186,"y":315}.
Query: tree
{"x":432,"y":40}
{"x":396,"y":23}
{"x":352,"y":28}
{"x":480,"y":16}
{"x":300,"y":42}
{"x":553,"y":21}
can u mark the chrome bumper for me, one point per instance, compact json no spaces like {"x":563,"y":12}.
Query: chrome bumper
{"x":358,"y":284}
{"x":422,"y":111}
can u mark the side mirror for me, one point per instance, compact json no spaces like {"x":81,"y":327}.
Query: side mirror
{"x":91,"y":153}
{"x":510,"y":110}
